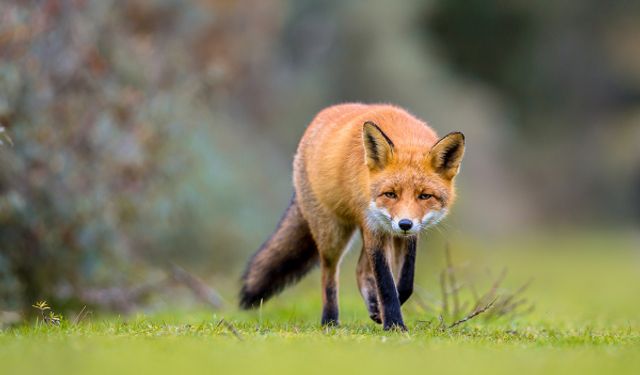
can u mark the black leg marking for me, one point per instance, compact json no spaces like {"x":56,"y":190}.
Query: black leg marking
{"x":405,"y":284}
{"x":391,"y":314}
{"x":372,"y":301}
{"x":330,"y":308}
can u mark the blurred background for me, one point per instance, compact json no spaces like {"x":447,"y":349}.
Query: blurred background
{"x":147,"y":133}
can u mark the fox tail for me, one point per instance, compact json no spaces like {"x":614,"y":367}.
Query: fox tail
{"x":282,"y":260}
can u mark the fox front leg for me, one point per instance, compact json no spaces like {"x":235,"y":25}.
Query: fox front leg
{"x":387,"y":292}
{"x":405,"y":281}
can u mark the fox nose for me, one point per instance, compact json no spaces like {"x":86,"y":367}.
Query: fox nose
{"x":405,"y":224}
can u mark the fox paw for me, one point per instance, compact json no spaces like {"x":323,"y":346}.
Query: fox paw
{"x":376,"y":317}
{"x":330,"y":323}
{"x":396,"y":326}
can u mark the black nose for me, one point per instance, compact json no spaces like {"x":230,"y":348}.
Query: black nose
{"x":405,"y":224}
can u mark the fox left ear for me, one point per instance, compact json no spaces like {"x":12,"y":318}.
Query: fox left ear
{"x":446,"y":155}
{"x":378,"y":148}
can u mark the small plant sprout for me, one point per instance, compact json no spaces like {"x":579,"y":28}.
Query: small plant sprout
{"x":42,"y":306}
{"x":48,"y":316}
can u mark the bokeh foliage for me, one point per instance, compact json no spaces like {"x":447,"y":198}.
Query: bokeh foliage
{"x":151,"y":131}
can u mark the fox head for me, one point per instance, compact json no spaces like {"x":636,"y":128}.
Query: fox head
{"x":410,"y":189}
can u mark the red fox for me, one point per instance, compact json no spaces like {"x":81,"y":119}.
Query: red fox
{"x":375,"y":168}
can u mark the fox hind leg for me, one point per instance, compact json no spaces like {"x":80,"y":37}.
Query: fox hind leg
{"x":331,"y":247}
{"x":330,"y":309}
{"x":367,"y":286}
{"x":331,"y":237}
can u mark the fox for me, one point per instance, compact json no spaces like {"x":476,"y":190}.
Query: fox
{"x":372,"y":168}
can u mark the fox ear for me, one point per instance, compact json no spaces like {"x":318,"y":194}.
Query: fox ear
{"x":378,"y":148}
{"x":446,"y":155}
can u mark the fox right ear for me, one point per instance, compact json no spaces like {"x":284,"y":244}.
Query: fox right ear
{"x":446,"y":155}
{"x":378,"y":148}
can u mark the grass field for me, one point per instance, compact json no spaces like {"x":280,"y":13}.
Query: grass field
{"x":586,"y":320}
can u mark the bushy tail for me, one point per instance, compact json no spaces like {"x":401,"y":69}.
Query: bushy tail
{"x":287,"y":256}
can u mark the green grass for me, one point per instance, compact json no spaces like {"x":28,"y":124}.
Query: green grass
{"x":587,"y":321}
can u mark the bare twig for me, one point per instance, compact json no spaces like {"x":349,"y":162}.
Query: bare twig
{"x":442,"y":326}
{"x":463,"y":306}
{"x":425,"y":322}
{"x":510,"y":307}
{"x":201,"y":290}
{"x":472,"y":315}
{"x":519,"y":291}
{"x":491,"y":303}
{"x":443,"y":289}
{"x":230,"y":327}
{"x":491,"y":294}
{"x":419,"y":300}
{"x":455,"y":289}
{"x":452,"y":282}
{"x":529,"y":310}
{"x":510,"y":302}
{"x":81,"y":315}
{"x":474,"y":292}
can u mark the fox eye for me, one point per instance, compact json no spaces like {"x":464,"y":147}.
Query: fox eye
{"x":390,"y":194}
{"x":424,"y":196}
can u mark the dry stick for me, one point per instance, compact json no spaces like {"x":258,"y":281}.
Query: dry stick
{"x":494,"y":288}
{"x":472,"y":315}
{"x":421,"y":302}
{"x":531,"y":308}
{"x":511,"y":308}
{"x":456,"y":289}
{"x":507,"y":308}
{"x":519,"y":291}
{"x":510,"y":303}
{"x":425,"y":322}
{"x":230,"y":327}
{"x":79,"y":317}
{"x":445,"y":297}
{"x":463,"y":306}
{"x":421,"y":299}
{"x":474,"y":292}
{"x":425,"y":294}
{"x":201,"y":290}
{"x":452,"y":281}
{"x":524,"y":287}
